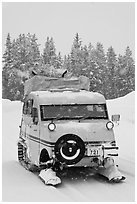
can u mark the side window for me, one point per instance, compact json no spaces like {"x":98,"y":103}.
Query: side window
{"x":27,"y":107}
{"x":30,"y":105}
{"x":35,"y":115}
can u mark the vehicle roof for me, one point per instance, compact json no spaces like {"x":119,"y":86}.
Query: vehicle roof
{"x":67,"y":97}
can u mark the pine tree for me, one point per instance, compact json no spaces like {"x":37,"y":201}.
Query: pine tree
{"x":75,"y":55}
{"x":34,"y":51}
{"x":111,"y":81}
{"x":126,"y":73}
{"x":7,"y":60}
{"x":26,"y":52}
{"x":92,"y":66}
{"x":46,"y":52}
{"x":77,"y":42}
{"x":20,"y":58}
{"x":100,"y":60}
{"x":109,"y":75}
{"x":59,"y":61}
{"x":35,"y":60}
{"x":67,"y":63}
{"x":97,"y":61}
{"x":49,"y":53}
{"x":130,"y":66}
{"x":7,"y":56}
{"x":84,"y":66}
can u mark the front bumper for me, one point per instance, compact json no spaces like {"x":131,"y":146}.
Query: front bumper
{"x":95,"y":154}
{"x":101,"y":150}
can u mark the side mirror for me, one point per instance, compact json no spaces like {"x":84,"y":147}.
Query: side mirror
{"x":115,"y":118}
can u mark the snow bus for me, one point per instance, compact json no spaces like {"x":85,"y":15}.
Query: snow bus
{"x":63,"y":125}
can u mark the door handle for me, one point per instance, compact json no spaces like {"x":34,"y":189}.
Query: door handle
{"x":35,"y":129}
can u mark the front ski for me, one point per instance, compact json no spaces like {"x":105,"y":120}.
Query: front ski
{"x":48,"y":176}
{"x":110,"y":171}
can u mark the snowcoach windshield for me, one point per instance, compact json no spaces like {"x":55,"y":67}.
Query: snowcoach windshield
{"x":76,"y":111}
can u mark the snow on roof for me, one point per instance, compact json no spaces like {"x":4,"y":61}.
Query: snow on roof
{"x":68,"y":97}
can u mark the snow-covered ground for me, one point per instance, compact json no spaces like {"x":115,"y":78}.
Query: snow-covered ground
{"x":21,"y":185}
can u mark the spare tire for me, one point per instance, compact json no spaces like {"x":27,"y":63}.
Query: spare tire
{"x":69,"y":149}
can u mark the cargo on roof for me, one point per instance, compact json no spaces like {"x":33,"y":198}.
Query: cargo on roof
{"x":43,"y":83}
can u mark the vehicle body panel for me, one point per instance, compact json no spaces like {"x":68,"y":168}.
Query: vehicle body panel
{"x":38,"y":135}
{"x":87,"y":130}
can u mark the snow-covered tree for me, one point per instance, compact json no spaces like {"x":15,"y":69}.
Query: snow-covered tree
{"x":26,"y":51}
{"x":126,"y":73}
{"x":19,"y":59}
{"x":130,"y":67}
{"x":110,"y":75}
{"x":111,"y":81}
{"x":34,"y":50}
{"x":7,"y":60}
{"x":75,"y":55}
{"x":92,"y":66}
{"x":67,"y":63}
{"x":100,"y":68}
{"x":7,"y":56}
{"x":84,"y":66}
{"x":49,"y":52}
{"x":59,"y":61}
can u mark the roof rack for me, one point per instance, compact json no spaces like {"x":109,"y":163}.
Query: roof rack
{"x":65,"y":89}
{"x":43,"y":83}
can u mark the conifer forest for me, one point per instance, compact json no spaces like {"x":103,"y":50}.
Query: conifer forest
{"x":110,"y":74}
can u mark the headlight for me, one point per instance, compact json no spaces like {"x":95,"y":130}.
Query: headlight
{"x":51,"y":126}
{"x":109,"y":125}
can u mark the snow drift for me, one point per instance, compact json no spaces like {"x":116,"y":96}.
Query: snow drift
{"x":125,"y":132}
{"x":125,"y":106}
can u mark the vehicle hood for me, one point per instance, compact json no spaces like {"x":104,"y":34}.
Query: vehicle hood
{"x":86,"y":130}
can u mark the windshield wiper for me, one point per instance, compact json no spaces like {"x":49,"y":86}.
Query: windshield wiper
{"x":62,"y":118}
{"x":85,"y":117}
{"x":59,"y":118}
{"x":95,"y":118}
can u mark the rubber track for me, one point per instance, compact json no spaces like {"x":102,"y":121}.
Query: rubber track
{"x":20,"y":152}
{"x":22,"y":157}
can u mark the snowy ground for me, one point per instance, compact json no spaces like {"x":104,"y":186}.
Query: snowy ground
{"x":21,"y":185}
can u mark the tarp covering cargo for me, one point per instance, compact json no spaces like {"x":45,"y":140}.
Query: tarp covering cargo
{"x":43,"y":83}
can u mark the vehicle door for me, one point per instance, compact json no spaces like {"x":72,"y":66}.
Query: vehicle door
{"x":33,"y":132}
{"x":24,"y":121}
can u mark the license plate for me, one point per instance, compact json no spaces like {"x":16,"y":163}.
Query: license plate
{"x":93,"y":151}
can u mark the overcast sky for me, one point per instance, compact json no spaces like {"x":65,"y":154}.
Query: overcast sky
{"x":112,"y":24}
